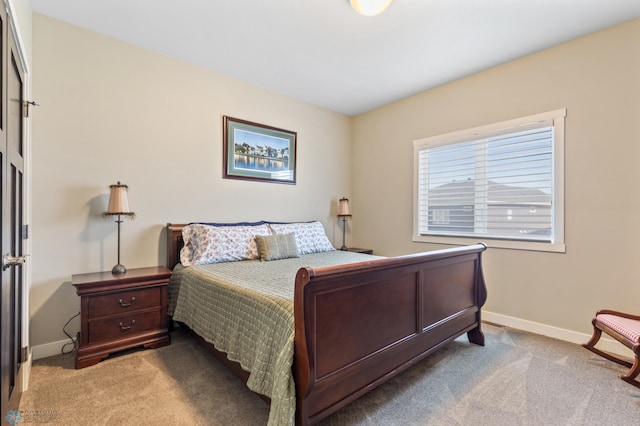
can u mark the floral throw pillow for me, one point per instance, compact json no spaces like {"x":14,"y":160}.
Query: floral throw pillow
{"x":310,"y":236}
{"x":215,"y":244}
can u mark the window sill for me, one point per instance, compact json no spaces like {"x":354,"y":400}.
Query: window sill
{"x":493,"y":243}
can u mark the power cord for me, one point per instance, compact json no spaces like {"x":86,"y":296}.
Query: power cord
{"x":73,"y":341}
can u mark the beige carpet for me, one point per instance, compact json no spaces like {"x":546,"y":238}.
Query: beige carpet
{"x":516,"y":379}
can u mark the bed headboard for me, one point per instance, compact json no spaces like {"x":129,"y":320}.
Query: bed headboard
{"x":174,"y":243}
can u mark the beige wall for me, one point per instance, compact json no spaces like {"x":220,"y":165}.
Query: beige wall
{"x":111,"y":111}
{"x":597,"y":78}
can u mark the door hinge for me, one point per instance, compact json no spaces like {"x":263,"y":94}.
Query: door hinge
{"x":25,"y":232}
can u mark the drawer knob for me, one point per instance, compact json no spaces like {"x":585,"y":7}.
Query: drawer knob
{"x":126,"y":305}
{"x":126,"y":327}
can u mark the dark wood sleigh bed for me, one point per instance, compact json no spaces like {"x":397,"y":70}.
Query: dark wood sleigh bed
{"x":358,"y":325}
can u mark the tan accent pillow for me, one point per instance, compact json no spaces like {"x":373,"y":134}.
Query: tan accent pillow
{"x":274,"y":247}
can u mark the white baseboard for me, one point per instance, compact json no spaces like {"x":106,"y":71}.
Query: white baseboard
{"x":48,"y":349}
{"x":608,"y":345}
{"x":605,"y":344}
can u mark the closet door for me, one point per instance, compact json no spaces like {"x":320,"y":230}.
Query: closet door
{"x":12,"y":145}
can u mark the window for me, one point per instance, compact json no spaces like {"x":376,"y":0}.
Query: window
{"x":502,"y":184}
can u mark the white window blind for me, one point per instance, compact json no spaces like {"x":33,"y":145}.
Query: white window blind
{"x":496,"y":182}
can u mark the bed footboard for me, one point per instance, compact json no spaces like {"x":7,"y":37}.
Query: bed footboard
{"x":358,"y":325}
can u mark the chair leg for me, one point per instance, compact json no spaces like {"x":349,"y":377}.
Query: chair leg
{"x":594,"y":339}
{"x":632,"y":373}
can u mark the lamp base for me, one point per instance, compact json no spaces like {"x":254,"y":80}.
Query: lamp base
{"x":344,"y":248}
{"x":118,"y":269}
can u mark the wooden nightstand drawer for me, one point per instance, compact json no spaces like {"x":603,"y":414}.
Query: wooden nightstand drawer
{"x":123,"y":302}
{"x":119,"y":327}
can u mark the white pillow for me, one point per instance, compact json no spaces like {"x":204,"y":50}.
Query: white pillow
{"x":224,"y":243}
{"x":310,"y":236}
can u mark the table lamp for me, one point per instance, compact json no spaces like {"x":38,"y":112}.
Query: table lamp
{"x":343,"y":213}
{"x":119,"y":206}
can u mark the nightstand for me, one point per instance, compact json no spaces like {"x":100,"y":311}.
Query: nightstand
{"x":119,"y":312}
{"x":360,"y":250}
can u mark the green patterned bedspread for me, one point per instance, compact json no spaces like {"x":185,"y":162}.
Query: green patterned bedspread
{"x":246,"y":310}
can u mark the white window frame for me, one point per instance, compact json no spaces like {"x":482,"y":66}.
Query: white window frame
{"x":557,"y":243}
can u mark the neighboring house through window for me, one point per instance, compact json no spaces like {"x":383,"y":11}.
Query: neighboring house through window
{"x":501,"y":183}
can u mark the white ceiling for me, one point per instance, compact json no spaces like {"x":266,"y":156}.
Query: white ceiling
{"x":322,"y":52}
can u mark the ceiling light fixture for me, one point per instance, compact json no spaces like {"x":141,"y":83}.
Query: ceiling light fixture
{"x":370,"y":7}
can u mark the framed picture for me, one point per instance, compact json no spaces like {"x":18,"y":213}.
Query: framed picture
{"x":255,"y":151}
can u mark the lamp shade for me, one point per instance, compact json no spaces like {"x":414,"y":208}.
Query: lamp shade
{"x":118,"y":200}
{"x":343,"y":207}
{"x":370,"y":7}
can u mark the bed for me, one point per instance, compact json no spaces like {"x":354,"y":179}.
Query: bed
{"x":343,"y":325}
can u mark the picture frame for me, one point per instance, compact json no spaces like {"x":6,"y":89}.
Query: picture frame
{"x":254,"y":151}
